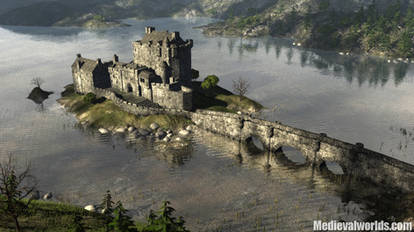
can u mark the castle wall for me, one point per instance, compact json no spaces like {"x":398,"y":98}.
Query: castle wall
{"x":124,"y":79}
{"x":83,"y":81}
{"x":163,"y":96}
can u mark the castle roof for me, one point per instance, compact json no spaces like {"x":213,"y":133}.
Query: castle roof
{"x":156,"y":36}
{"x":85,"y":64}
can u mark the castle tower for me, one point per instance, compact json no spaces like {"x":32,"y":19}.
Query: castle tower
{"x":157,"y":47}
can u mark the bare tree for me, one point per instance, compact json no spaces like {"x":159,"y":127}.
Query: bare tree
{"x":37,"y":81}
{"x":241,"y":86}
{"x":14,"y":187}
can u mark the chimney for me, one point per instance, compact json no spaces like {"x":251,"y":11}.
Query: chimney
{"x":116,"y":58}
{"x":148,"y":30}
{"x":98,"y":61}
{"x":78,"y":55}
{"x":175,"y":35}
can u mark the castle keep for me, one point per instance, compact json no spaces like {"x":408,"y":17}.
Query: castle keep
{"x":160,"y":71}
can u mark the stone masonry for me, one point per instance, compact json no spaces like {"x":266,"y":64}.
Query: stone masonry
{"x":160,"y":71}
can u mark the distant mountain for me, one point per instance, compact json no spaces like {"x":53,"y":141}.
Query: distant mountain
{"x":380,"y":27}
{"x":77,"y":12}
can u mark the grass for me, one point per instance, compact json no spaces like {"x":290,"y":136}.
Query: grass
{"x":220,"y":99}
{"x":52,"y":216}
{"x":241,"y":103}
{"x":104,"y":113}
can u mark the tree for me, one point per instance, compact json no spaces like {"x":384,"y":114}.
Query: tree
{"x":241,"y":86}
{"x":37,"y":81}
{"x":121,"y":222}
{"x":107,"y":208}
{"x":209,"y":82}
{"x":164,"y":221}
{"x":14,"y":187}
{"x":107,"y":203}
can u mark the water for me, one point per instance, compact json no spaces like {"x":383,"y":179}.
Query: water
{"x":356,"y":99}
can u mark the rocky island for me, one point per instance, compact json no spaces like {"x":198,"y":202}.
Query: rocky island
{"x":152,"y":95}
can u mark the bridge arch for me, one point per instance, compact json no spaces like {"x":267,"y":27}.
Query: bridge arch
{"x":255,"y":144}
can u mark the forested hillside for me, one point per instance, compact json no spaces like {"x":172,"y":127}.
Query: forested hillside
{"x":380,"y":27}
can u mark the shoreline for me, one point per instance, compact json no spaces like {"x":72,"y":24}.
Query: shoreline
{"x":222,"y":29}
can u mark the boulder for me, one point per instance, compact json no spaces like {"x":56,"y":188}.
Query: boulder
{"x":90,"y":208}
{"x":131,"y":129}
{"x":170,"y":135}
{"x":154,"y":126}
{"x":120,"y":130}
{"x":183,"y":133}
{"x":103,"y":131}
{"x":143,"y":132}
{"x":166,"y":139}
{"x":169,"y":131}
{"x":135,"y":134}
{"x":189,"y":128}
{"x":160,"y":134}
{"x":47,"y":196}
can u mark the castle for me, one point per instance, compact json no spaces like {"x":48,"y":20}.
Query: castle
{"x":160,"y":71}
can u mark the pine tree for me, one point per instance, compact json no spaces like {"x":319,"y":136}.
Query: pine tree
{"x":121,"y":222}
{"x":107,"y":208}
{"x":164,"y":222}
{"x":107,"y":204}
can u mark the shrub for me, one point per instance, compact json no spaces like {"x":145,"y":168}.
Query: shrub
{"x":89,"y":98}
{"x":209,"y":82}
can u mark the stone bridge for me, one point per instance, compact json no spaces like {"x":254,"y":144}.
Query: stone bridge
{"x":355,"y":160}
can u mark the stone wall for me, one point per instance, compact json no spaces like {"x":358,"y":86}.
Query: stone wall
{"x":136,"y":109}
{"x":164,"y":96}
{"x":354,"y":159}
{"x":82,"y":81}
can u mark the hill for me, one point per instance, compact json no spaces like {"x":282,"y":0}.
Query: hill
{"x":382,"y":28}
{"x":379,"y":27}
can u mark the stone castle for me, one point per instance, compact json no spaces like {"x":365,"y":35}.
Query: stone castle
{"x":160,"y":71}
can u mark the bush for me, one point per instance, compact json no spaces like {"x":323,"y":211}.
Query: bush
{"x":89,"y":98}
{"x":209,"y":82}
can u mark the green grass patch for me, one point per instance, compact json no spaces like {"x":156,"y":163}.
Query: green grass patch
{"x":52,"y":216}
{"x":240,"y":103}
{"x":219,"y":99}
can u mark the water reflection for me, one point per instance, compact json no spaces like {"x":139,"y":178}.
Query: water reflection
{"x":287,"y":165}
{"x":372,"y":70}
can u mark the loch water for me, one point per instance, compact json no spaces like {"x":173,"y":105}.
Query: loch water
{"x":211,"y":183}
